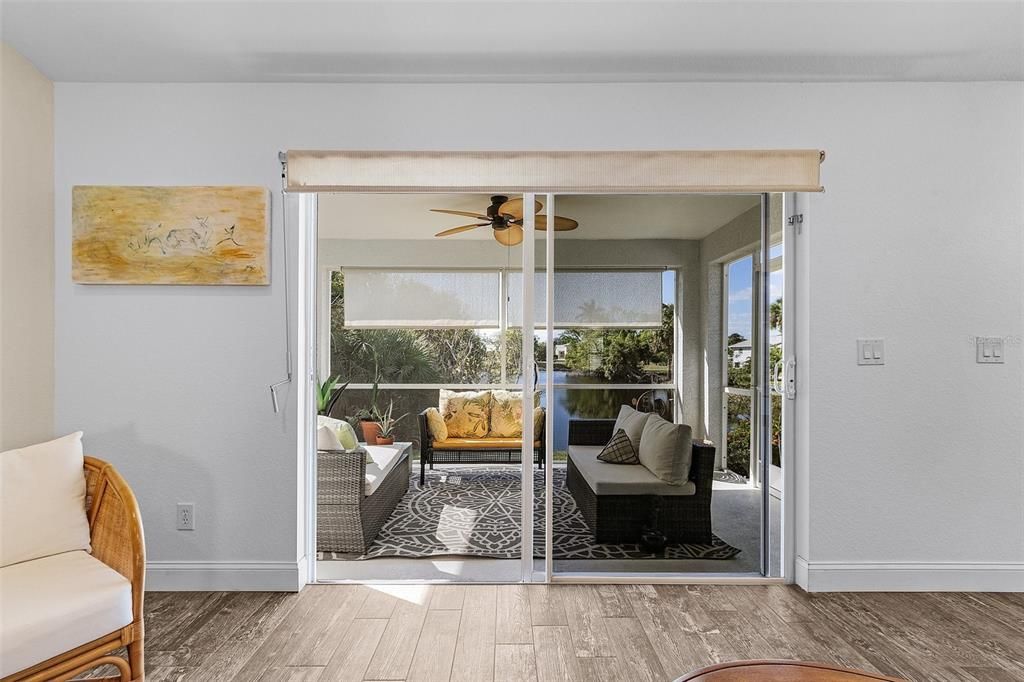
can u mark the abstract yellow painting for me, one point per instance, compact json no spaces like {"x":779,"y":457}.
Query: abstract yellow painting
{"x":170,"y":235}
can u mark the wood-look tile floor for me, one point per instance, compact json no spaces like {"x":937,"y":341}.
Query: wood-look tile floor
{"x":479,"y":633}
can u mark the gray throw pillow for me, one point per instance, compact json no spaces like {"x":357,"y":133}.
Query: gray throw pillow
{"x":666,"y":450}
{"x":619,"y":450}
{"x":632,"y":422}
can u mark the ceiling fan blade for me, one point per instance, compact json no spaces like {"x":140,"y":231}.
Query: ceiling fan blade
{"x":514,"y":208}
{"x":561,"y":224}
{"x":464,"y":213}
{"x":461,"y":228}
{"x":510,"y":236}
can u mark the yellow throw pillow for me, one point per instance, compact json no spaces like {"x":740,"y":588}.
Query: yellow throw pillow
{"x":538,"y":422}
{"x":435,"y":422}
{"x":506,"y":414}
{"x":467,"y":414}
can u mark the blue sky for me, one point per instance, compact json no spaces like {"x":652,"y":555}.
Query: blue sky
{"x":741,"y":290}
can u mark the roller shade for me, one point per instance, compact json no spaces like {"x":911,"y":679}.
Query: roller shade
{"x":592,"y":298}
{"x":724,"y":171}
{"x":403,"y":299}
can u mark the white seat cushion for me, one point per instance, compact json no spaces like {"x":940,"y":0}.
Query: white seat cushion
{"x":381,"y":460}
{"x":51,"y":605}
{"x":605,"y":478}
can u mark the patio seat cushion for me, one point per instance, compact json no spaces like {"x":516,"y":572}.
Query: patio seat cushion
{"x":57,"y":603}
{"x":480,"y":443}
{"x":380,"y":460}
{"x":605,"y":478}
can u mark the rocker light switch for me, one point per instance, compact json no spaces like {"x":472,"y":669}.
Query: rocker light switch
{"x":990,"y":350}
{"x":870,"y":351}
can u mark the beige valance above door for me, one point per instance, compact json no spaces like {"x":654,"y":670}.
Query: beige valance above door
{"x":722,"y":171}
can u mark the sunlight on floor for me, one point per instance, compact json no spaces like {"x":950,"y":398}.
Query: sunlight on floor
{"x":455,"y":527}
{"x":414,"y":594}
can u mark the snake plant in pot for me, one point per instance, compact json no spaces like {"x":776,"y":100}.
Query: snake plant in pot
{"x":386,"y":423}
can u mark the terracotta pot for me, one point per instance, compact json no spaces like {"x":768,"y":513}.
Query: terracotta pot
{"x":390,"y":440}
{"x":370,"y":431}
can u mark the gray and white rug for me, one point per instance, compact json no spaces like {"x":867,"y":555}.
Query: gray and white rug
{"x":476,"y":512}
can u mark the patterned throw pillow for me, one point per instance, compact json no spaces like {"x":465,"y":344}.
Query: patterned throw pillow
{"x":506,"y":414}
{"x":619,"y":450}
{"x":467,"y":414}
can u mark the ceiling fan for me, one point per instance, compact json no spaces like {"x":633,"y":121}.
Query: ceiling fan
{"x":505,"y":217}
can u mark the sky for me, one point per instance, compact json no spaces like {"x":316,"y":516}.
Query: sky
{"x":741,"y":290}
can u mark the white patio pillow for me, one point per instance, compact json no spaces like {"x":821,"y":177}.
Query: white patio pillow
{"x":42,"y":500}
{"x":334,"y":434}
{"x":632,"y":422}
{"x":666,"y":450}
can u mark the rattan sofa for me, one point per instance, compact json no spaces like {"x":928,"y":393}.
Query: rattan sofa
{"x":348,"y":519}
{"x":618,"y":518}
{"x":488,"y":450}
{"x":115,"y":531}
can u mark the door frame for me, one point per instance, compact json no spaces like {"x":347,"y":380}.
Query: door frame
{"x":633,"y":172}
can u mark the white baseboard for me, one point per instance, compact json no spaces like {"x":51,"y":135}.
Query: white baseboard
{"x":833,"y":576}
{"x":240,"y":576}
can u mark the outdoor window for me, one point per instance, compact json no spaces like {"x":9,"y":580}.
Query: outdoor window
{"x":399,"y":336}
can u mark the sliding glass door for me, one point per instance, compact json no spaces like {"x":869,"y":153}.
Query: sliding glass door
{"x":554,"y":321}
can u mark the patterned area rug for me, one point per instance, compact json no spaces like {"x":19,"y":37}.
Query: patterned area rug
{"x":476,"y":511}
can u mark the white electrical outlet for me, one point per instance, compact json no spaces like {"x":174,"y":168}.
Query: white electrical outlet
{"x":186,"y":516}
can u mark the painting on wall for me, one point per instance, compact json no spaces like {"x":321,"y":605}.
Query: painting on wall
{"x":170,"y":235}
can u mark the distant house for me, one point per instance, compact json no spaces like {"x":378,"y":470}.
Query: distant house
{"x":739,"y":353}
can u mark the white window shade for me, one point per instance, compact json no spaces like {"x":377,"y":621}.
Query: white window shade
{"x":592,"y":298}
{"x":404,"y":299}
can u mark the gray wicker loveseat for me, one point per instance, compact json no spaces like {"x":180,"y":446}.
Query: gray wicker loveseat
{"x":355,"y":497}
{"x":618,"y":501}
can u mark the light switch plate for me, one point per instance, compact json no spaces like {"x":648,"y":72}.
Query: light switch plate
{"x":870,"y":351}
{"x":990,"y":350}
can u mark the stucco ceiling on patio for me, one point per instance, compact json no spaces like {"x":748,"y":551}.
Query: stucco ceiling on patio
{"x":502,"y":41}
{"x":407,"y":216}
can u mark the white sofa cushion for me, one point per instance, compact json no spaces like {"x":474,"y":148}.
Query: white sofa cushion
{"x":380,"y":460}
{"x":666,"y":450}
{"x":42,"y":500}
{"x":54,"y":604}
{"x":605,"y":478}
{"x":632,"y":422}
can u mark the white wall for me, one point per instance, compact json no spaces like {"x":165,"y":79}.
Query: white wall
{"x":914,"y":468}
{"x":26,"y":252}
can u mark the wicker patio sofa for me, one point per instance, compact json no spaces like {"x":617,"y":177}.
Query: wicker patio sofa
{"x":683,"y":515}
{"x":488,"y":450}
{"x":351,"y":507}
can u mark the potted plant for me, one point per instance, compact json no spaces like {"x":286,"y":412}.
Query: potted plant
{"x":386,"y":425}
{"x":327,"y":394}
{"x":368,"y":416}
